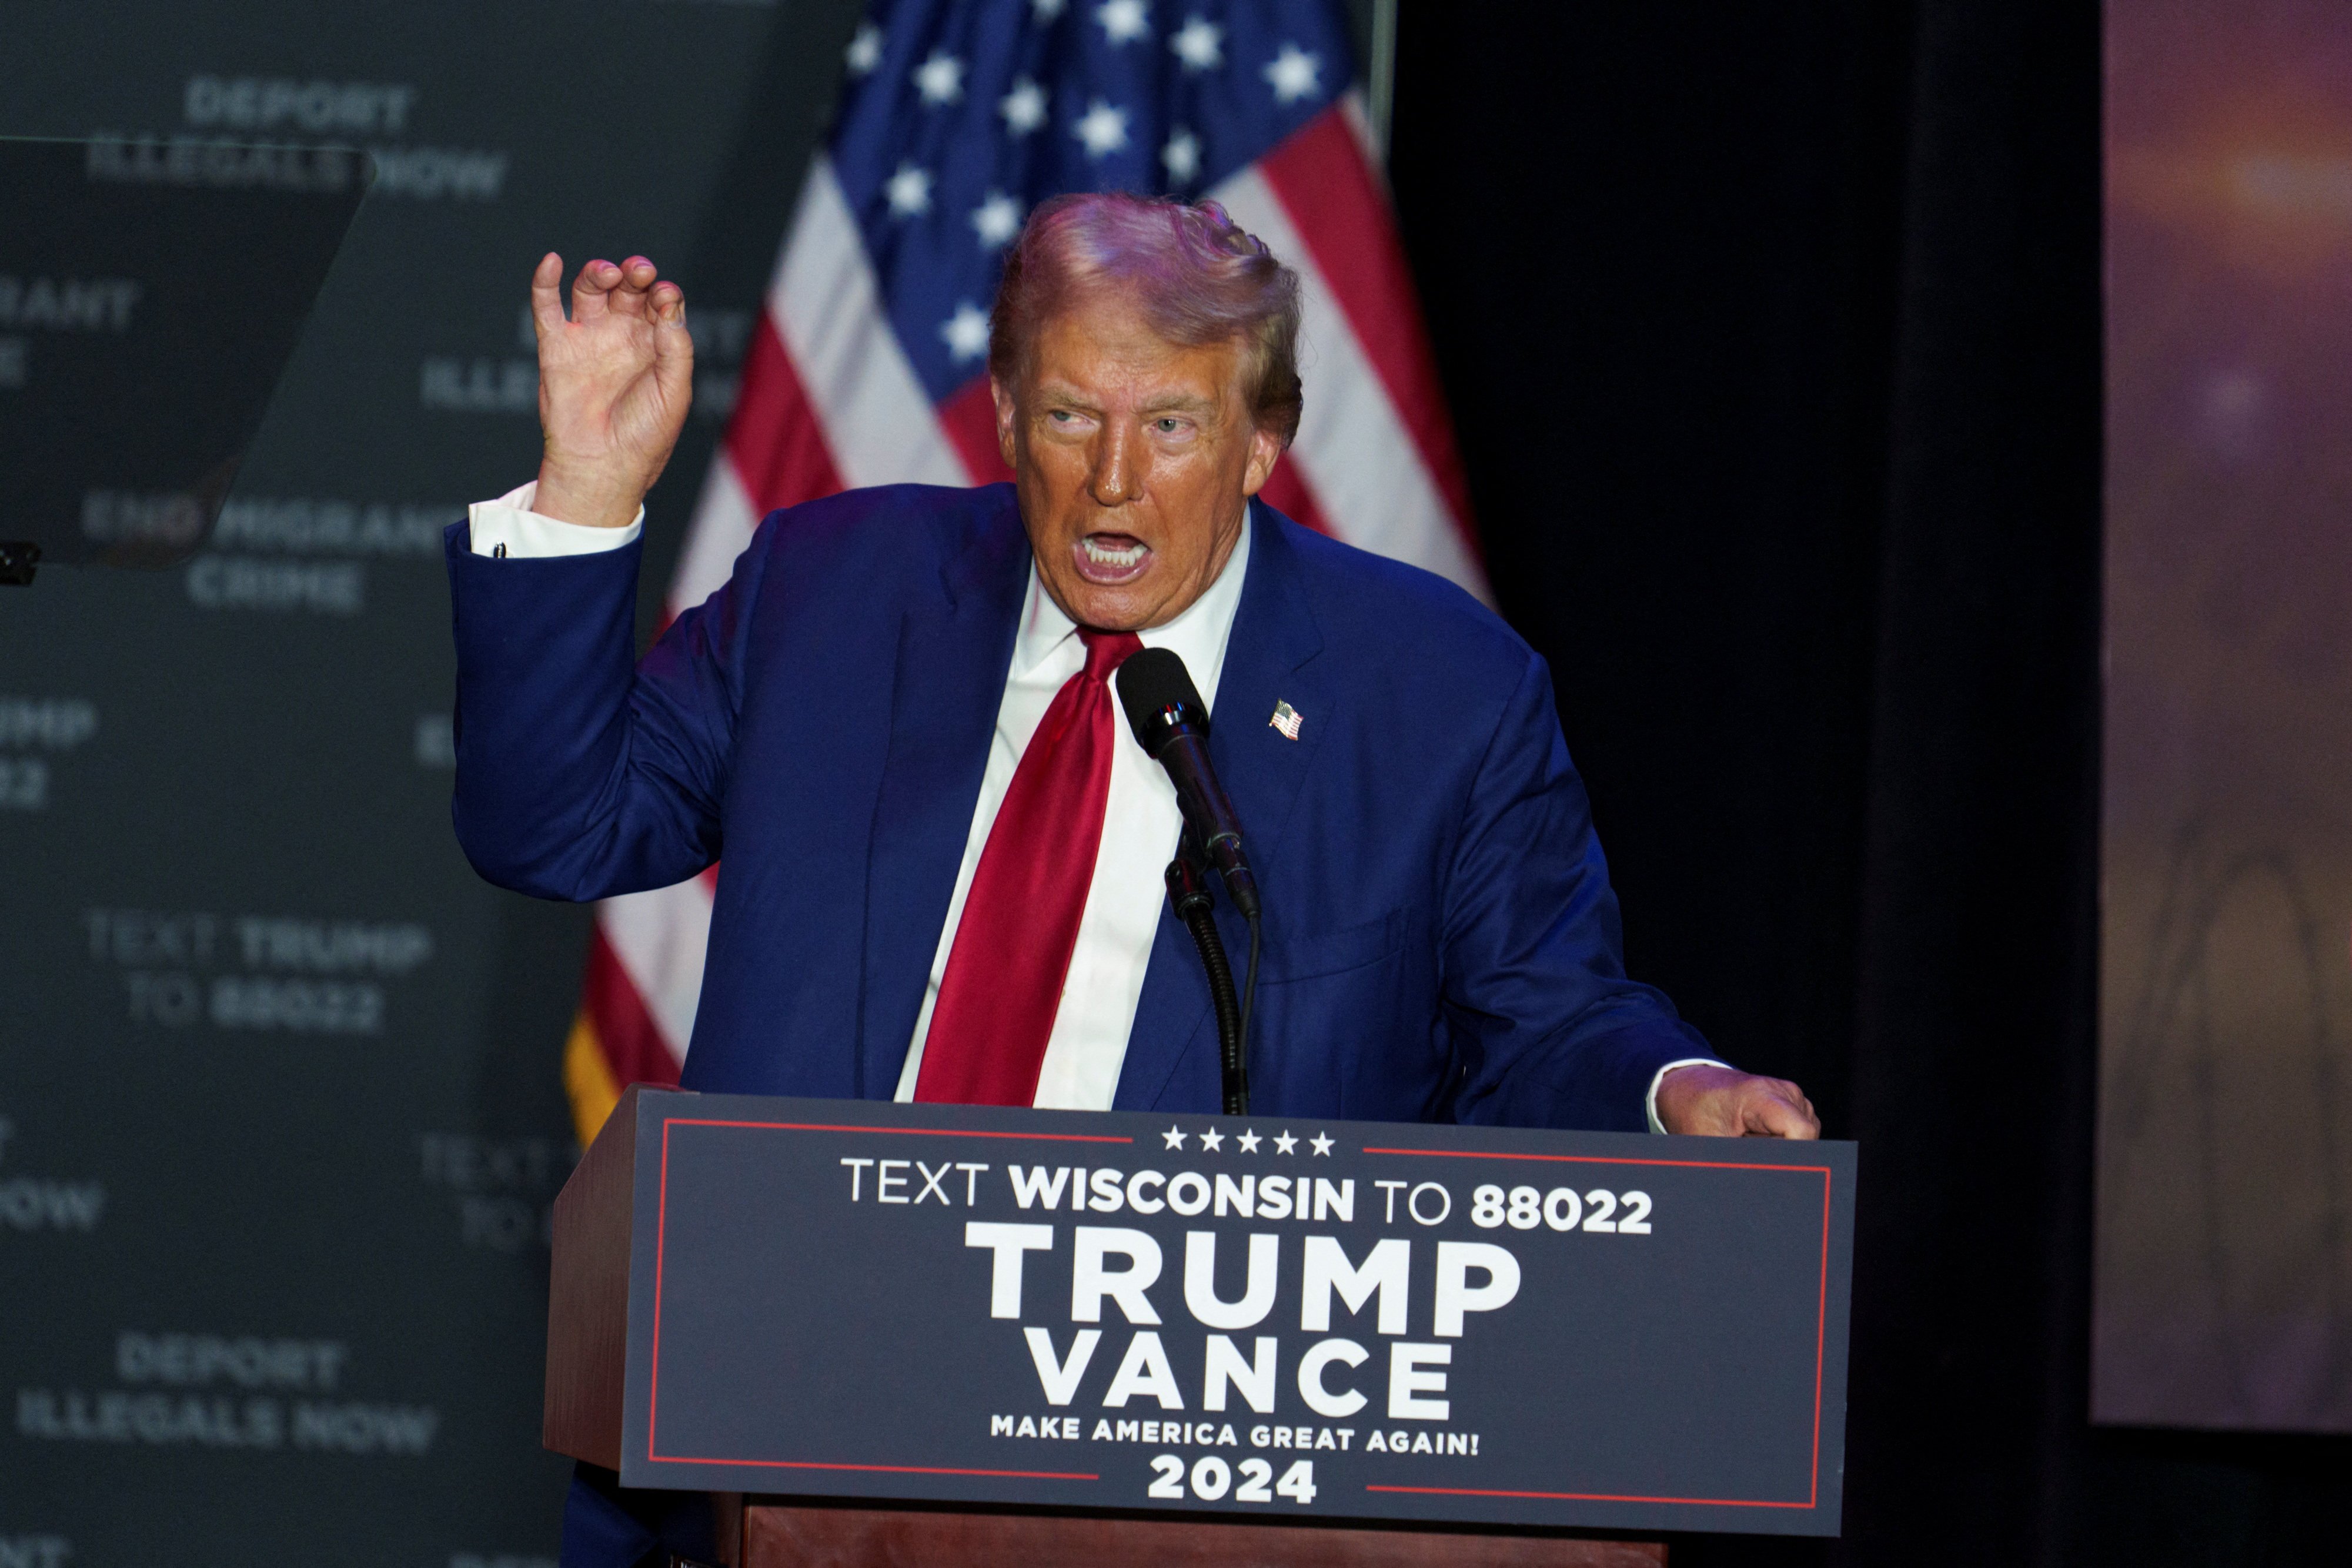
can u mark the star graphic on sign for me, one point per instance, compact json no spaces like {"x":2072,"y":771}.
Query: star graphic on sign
{"x":939,"y":78}
{"x":966,"y":332}
{"x":1102,"y":127}
{"x":1248,"y":1142}
{"x":909,"y":191}
{"x":1023,"y":107}
{"x":997,"y":219}
{"x":864,"y":51}
{"x":1174,"y":1137}
{"x":1123,"y":21}
{"x":1199,"y":44}
{"x":1182,"y":156}
{"x":1285,"y":1143}
{"x":1322,"y":1142}
{"x":1212,"y":1139}
{"x":1296,"y":74}
{"x":1046,"y":10}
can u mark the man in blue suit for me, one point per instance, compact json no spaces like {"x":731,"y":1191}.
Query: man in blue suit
{"x":941,"y":852}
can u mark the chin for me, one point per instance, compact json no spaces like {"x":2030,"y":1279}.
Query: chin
{"x":1110,"y":612}
{"x":1121,"y":607}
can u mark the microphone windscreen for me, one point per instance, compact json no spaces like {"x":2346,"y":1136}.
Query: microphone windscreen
{"x":1150,"y":682}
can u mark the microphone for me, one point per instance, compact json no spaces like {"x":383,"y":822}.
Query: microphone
{"x":1172,"y":723}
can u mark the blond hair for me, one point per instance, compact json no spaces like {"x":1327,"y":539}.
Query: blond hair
{"x":1197,"y":277}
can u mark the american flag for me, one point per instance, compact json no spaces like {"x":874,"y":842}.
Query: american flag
{"x":869,"y":366}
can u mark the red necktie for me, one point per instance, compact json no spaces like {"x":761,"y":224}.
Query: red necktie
{"x":1020,"y":924}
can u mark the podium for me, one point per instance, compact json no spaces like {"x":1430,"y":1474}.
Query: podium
{"x":770,"y":1533}
{"x":882,"y":1335}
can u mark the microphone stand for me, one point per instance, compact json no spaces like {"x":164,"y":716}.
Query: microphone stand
{"x":1188,"y":896}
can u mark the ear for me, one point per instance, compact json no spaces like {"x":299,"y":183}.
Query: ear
{"x":1007,"y":412}
{"x":1265,"y":451}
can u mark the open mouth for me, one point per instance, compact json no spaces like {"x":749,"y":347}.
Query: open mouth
{"x":1111,"y":559}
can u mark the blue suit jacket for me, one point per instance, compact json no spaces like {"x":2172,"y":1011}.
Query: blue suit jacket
{"x":1441,"y":942}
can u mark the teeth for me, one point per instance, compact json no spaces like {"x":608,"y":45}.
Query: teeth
{"x":1102,"y":556}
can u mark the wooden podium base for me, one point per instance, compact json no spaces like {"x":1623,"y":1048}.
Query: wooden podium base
{"x":769,"y":1535}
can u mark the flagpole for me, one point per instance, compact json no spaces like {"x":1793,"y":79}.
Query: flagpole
{"x":1383,"y":73}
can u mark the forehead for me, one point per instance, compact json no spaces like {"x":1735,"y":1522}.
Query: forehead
{"x":1105,"y":346}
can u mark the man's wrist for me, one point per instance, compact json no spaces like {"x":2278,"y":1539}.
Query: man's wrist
{"x":1650,"y":1101}
{"x":584,"y":501}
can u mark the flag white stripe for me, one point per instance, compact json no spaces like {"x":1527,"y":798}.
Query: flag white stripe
{"x":1352,"y":449}
{"x":722,"y":526}
{"x":1360,"y":125}
{"x":879,"y":420}
{"x":659,"y":937}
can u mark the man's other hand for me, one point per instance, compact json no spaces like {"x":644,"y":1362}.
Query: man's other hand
{"x":614,"y":385}
{"x":1719,"y":1102}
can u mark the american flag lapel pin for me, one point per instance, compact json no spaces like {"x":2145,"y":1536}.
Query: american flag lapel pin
{"x":1287,"y":719}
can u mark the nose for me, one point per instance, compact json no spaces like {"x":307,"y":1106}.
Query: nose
{"x":1113,"y":481}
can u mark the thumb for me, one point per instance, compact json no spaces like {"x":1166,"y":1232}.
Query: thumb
{"x":547,"y":295}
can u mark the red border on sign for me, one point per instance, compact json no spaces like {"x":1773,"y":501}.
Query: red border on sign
{"x":883,"y":1469}
{"x":1820,"y":1328}
{"x":1590,"y":1497}
{"x":661,"y":1220}
{"x":661,"y":1227}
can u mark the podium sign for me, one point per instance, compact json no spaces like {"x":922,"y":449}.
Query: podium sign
{"x":1274,"y":1317}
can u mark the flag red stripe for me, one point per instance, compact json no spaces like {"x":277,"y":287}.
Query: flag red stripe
{"x":775,"y":440}
{"x":1286,"y":493}
{"x":969,"y":418}
{"x":1321,"y":176}
{"x":634,"y":1048}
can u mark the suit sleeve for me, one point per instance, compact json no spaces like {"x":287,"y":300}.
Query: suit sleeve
{"x":582,"y":772}
{"x":1547,"y":1030}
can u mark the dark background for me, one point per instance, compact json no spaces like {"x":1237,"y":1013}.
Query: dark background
{"x":1772,"y":334}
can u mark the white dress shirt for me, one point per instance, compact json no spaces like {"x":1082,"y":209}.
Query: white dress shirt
{"x":509,"y":527}
{"x":1141,"y":827}
{"x":1140,"y":819}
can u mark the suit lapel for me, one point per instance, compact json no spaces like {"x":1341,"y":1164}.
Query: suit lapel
{"x":1268,"y":659}
{"x":954,"y":647}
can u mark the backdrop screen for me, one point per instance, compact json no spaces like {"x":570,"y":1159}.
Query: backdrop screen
{"x":2225,"y":1292}
{"x":280,"y":1107}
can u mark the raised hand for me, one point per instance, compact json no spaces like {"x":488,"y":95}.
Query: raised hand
{"x":613,"y":384}
{"x":1726,"y":1103}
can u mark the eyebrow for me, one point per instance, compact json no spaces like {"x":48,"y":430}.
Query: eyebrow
{"x":1060,"y":391}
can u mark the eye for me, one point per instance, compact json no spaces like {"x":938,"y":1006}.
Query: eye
{"x":1167,"y":425}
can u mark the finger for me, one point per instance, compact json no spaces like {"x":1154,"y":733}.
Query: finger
{"x":547,"y":295}
{"x":673,"y":344}
{"x":1774,"y":1117}
{"x":1796,"y":1096}
{"x":637,"y":275}
{"x":591,"y":291}
{"x":636,"y":280}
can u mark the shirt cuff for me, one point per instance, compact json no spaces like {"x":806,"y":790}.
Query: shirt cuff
{"x":1649,"y":1102}
{"x":507,"y":527}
